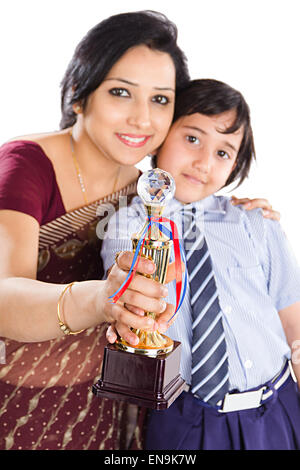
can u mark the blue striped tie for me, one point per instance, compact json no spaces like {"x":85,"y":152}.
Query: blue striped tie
{"x":209,"y":354}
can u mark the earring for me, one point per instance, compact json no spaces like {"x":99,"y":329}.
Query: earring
{"x":77,"y":108}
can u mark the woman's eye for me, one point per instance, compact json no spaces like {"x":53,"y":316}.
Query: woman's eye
{"x":119,"y":92}
{"x":223,"y":154}
{"x":160,"y":99}
{"x":192,"y":139}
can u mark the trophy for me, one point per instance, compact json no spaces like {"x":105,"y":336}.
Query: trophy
{"x":146,"y":374}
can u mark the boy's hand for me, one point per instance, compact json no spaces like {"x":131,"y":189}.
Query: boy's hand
{"x":249,"y":204}
{"x":143,"y":294}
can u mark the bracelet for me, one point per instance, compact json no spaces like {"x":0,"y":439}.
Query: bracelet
{"x":63,"y":326}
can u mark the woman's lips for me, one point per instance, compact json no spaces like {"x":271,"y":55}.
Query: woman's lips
{"x":194,"y":180}
{"x":133,"y":140}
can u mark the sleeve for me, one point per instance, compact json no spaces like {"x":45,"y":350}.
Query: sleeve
{"x":25,"y":178}
{"x":281,"y":267}
{"x":121,"y":226}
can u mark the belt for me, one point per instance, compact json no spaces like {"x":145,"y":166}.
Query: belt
{"x":254,"y":398}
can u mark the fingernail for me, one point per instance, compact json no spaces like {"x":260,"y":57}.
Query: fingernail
{"x":140,"y":312}
{"x":265,"y":212}
{"x":134,"y":340}
{"x":150,"y":322}
{"x":163,"y":306}
{"x":164,"y":291}
{"x":111,"y":337}
{"x":150,"y":267}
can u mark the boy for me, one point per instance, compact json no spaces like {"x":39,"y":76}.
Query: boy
{"x":251,"y":284}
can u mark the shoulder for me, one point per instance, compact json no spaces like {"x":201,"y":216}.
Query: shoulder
{"x":19,"y":154}
{"x":228,"y":210}
{"x":27,"y":179}
{"x":51,"y":145}
{"x":259,"y":228}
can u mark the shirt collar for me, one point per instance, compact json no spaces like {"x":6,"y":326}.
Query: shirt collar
{"x":211,"y":204}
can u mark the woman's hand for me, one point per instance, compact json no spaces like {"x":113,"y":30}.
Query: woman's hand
{"x":249,"y":204}
{"x":143,"y":294}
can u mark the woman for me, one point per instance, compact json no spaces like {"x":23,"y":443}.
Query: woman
{"x":114,"y":112}
{"x":52,"y":186}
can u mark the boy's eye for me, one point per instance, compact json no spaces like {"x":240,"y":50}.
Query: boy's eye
{"x":223,"y":154}
{"x":192,"y":139}
{"x":119,"y":92}
{"x":161,"y":99}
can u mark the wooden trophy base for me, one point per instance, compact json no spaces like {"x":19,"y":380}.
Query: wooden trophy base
{"x":152,"y":382}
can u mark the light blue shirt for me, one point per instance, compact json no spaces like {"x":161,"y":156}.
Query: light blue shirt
{"x":256,"y":275}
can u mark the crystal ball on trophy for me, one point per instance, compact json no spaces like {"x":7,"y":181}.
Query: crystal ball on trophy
{"x":156,"y":187}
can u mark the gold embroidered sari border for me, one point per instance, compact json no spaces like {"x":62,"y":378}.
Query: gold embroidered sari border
{"x":64,"y":226}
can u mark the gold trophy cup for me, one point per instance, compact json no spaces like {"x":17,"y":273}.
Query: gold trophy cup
{"x":146,"y":374}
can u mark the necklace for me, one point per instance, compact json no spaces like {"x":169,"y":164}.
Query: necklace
{"x":79,"y":174}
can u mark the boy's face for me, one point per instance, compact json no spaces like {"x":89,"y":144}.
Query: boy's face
{"x":199,"y":157}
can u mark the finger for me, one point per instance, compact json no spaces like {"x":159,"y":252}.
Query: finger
{"x":257,"y":203}
{"x":145,"y":266}
{"x":239,"y":201}
{"x":126,"y":334}
{"x":141,"y":301}
{"x":139,"y":282}
{"x":136,"y":310}
{"x":271,"y":214}
{"x":166,"y":319}
{"x":121,"y":316}
{"x":147,"y":286}
{"x":111,"y":334}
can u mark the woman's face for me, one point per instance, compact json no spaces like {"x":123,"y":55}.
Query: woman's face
{"x":129,"y":114}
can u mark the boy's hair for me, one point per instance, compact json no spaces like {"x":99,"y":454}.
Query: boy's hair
{"x":212,"y":97}
{"x":106,"y":43}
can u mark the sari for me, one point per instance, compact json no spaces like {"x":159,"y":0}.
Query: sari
{"x":46,"y":399}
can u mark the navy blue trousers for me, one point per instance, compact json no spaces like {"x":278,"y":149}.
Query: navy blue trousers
{"x":188,"y":425}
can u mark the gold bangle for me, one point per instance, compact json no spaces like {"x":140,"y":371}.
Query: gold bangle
{"x":63,"y":326}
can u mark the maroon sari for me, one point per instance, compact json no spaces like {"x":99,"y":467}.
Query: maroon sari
{"x":46,"y":399}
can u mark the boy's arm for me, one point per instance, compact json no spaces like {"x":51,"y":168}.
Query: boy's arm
{"x":290,"y":318}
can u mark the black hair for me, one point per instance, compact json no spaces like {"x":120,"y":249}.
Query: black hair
{"x":212,"y":97}
{"x":104,"y":45}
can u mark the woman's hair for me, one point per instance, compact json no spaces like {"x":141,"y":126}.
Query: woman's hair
{"x":105,"y":44}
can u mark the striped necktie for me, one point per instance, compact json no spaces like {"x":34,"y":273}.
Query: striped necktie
{"x":209,"y":354}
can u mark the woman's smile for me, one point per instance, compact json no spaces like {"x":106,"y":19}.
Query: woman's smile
{"x":133,"y":140}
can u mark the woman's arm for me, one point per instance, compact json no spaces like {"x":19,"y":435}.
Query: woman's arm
{"x":28,"y":308}
{"x":290,"y":318}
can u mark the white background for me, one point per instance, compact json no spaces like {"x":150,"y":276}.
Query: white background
{"x":252,"y":45}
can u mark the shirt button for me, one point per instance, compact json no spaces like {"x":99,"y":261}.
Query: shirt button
{"x":248,"y":364}
{"x":228,"y":309}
